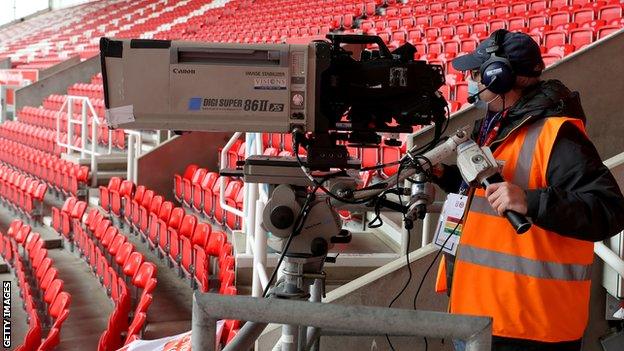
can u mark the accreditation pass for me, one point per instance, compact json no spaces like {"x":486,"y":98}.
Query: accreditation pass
{"x":450,"y":223}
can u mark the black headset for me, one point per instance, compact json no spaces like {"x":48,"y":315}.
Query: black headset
{"x":496,"y":73}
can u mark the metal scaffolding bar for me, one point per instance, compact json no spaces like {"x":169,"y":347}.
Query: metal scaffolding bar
{"x":207,"y":308}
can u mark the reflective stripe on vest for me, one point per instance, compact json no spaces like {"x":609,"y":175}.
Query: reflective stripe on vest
{"x":526,"y":266}
{"x":536,"y":285}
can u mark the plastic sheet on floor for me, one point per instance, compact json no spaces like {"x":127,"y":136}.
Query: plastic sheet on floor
{"x":180,"y":342}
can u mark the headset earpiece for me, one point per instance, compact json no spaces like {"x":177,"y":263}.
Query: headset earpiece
{"x":497,"y":66}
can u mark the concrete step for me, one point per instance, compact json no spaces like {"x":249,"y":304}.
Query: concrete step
{"x":115,"y":161}
{"x":105,"y":176}
{"x":90,"y":308}
{"x":4,"y":267}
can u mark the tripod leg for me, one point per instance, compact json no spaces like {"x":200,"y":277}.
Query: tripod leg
{"x":313,"y":334}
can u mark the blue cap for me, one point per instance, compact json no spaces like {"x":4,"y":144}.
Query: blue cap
{"x":520,"y":49}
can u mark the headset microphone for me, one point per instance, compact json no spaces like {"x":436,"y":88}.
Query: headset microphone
{"x":473,"y":98}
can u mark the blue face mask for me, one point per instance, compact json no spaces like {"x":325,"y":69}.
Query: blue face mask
{"x":473,"y":88}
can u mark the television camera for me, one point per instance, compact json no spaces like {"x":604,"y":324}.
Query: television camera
{"x":329,"y":94}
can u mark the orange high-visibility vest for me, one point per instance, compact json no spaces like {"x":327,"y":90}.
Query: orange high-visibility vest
{"x":536,"y":285}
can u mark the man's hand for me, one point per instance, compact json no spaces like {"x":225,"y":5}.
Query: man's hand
{"x":506,"y":196}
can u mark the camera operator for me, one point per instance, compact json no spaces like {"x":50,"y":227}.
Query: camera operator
{"x":535,"y":286}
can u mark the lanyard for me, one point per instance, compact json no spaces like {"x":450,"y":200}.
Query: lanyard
{"x":490,"y":127}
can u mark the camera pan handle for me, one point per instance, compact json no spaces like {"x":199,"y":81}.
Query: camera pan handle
{"x":361,"y":39}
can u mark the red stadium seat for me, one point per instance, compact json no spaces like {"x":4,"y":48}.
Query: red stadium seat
{"x":555,"y":38}
{"x":128,"y":200}
{"x":123,"y":253}
{"x":51,"y":341}
{"x":611,"y":12}
{"x":32,"y":340}
{"x":158,"y":223}
{"x":606,"y":30}
{"x":188,"y":185}
{"x":53,"y":290}
{"x":144,"y":274}
{"x":202,"y":270}
{"x":200,"y":238}
{"x":186,"y":230}
{"x":178,"y":189}
{"x":68,"y":205}
{"x":113,"y":184}
{"x":48,"y":277}
{"x":135,"y":328}
{"x":144,"y":303}
{"x":581,"y":37}
{"x":140,"y":210}
{"x":175,"y":220}
{"x":132,"y":264}
{"x":199,"y":189}
{"x":117,"y":242}
{"x":125,"y":189}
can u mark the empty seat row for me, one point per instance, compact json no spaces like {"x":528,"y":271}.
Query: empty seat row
{"x":188,"y":245}
{"x":37,"y":137}
{"x":129,"y":279}
{"x":47,"y":116}
{"x":51,"y":38}
{"x":45,"y":302}
{"x":55,"y":102}
{"x":62,"y":176}
{"x":574,"y":12}
{"x":95,"y":91}
{"x":24,"y":194}
{"x":179,"y":238}
{"x":199,"y":190}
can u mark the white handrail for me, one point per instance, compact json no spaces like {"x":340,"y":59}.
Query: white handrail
{"x":259,"y":279}
{"x":609,"y":257}
{"x":86,"y":107}
{"x":87,"y":111}
{"x":135,"y":149}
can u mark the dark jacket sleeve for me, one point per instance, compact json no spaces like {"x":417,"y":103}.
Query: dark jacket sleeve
{"x":583,"y":200}
{"x":451,"y":179}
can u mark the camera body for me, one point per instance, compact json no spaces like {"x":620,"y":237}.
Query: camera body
{"x":319,"y":87}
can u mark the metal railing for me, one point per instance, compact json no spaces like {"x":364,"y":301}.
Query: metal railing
{"x":135,"y":150}
{"x":87,"y":113}
{"x":330,"y":319}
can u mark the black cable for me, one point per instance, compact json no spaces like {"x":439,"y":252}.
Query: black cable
{"x":322,"y":188}
{"x":409,"y":227}
{"x":436,"y":257}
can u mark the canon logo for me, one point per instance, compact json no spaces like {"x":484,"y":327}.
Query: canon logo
{"x":183,"y":71}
